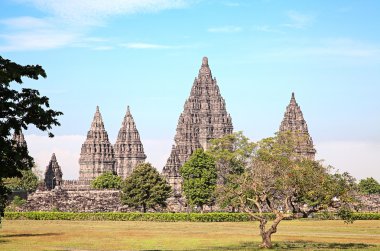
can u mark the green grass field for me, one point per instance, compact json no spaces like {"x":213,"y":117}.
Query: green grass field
{"x":138,"y":235}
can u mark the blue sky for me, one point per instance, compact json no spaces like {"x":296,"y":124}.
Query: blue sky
{"x":146,"y":53}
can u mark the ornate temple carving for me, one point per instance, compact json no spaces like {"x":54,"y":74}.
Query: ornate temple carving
{"x":97,"y":155}
{"x":204,"y":118}
{"x":295,"y":123}
{"x":53,"y":174}
{"x":128,"y":148}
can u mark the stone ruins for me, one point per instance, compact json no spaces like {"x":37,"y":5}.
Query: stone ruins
{"x":204,"y":117}
{"x":99,"y":156}
{"x":53,"y":174}
{"x":295,"y":123}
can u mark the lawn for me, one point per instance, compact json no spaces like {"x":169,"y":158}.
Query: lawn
{"x":139,"y":235}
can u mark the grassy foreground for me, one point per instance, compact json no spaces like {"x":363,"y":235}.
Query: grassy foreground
{"x":117,"y":235}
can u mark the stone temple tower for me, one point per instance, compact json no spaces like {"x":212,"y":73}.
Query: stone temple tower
{"x":204,"y":117}
{"x":53,"y":174}
{"x":295,"y":123}
{"x":128,"y":148}
{"x":97,"y":156}
{"x":19,"y":139}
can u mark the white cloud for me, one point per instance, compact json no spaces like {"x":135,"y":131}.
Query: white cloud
{"x":267,"y":28}
{"x":298,"y":20}
{"x":26,"y":22}
{"x":336,"y":48}
{"x":145,"y":46}
{"x":225,"y":29}
{"x":360,"y":158}
{"x":68,"y":22}
{"x":36,"y":40}
{"x":90,"y":12}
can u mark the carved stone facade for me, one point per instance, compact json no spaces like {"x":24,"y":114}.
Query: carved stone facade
{"x":97,"y":155}
{"x":19,"y":138}
{"x":204,"y":118}
{"x":53,"y":174}
{"x":295,"y":123}
{"x":128,"y":148}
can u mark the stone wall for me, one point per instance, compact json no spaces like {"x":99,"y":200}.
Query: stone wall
{"x":368,"y":203}
{"x":109,"y":201}
{"x":75,"y":201}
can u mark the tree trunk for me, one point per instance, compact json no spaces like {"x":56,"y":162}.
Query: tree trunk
{"x":266,"y":235}
{"x":144,"y":208}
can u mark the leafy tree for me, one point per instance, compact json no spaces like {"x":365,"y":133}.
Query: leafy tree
{"x":28,"y":182}
{"x":107,"y":180}
{"x":18,"y":110}
{"x":145,"y":188}
{"x":276,"y":179}
{"x":199,"y":179}
{"x":369,"y":186}
{"x":231,"y":153}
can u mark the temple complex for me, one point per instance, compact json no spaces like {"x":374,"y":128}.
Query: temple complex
{"x":128,"y":148}
{"x":204,"y":118}
{"x":295,"y":123}
{"x":97,"y":155}
{"x":53,"y":174}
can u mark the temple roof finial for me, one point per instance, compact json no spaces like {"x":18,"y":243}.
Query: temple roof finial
{"x":205,"y":61}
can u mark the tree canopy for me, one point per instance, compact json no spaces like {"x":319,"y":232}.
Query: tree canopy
{"x":199,"y":179}
{"x":145,"y":188}
{"x":28,"y":182}
{"x":369,"y":186}
{"x":20,"y":108}
{"x":107,"y":180}
{"x":276,"y":179}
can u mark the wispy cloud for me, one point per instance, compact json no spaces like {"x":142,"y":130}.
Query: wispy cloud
{"x":231,"y":4}
{"x":145,"y":46}
{"x":156,"y":46}
{"x":36,"y":40}
{"x":338,"y":48}
{"x":90,"y":12}
{"x":225,"y":29}
{"x":298,"y":20}
{"x":269,"y":29}
{"x":68,"y":22}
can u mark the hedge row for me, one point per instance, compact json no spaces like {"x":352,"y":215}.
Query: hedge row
{"x":169,"y":217}
{"x":116,"y":216}
{"x":355,"y":216}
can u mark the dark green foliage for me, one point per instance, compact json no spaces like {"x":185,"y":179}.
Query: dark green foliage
{"x":107,"y":180}
{"x":369,"y":186}
{"x":145,"y":188}
{"x":28,"y":182}
{"x":16,"y":203}
{"x":116,"y":216}
{"x":169,"y":217}
{"x":199,"y":179}
{"x":18,"y":110}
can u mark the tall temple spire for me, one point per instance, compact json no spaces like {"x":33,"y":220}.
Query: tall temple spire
{"x":19,"y":138}
{"x":294,"y":122}
{"x":53,"y":174}
{"x":97,"y":154}
{"x":204,"y":118}
{"x":128,"y":148}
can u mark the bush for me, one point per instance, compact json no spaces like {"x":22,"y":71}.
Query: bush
{"x":107,"y":180}
{"x":164,"y":217}
{"x":117,"y":216}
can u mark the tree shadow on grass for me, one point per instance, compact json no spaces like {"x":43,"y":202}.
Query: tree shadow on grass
{"x":296,"y":245}
{"x":27,"y":235}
